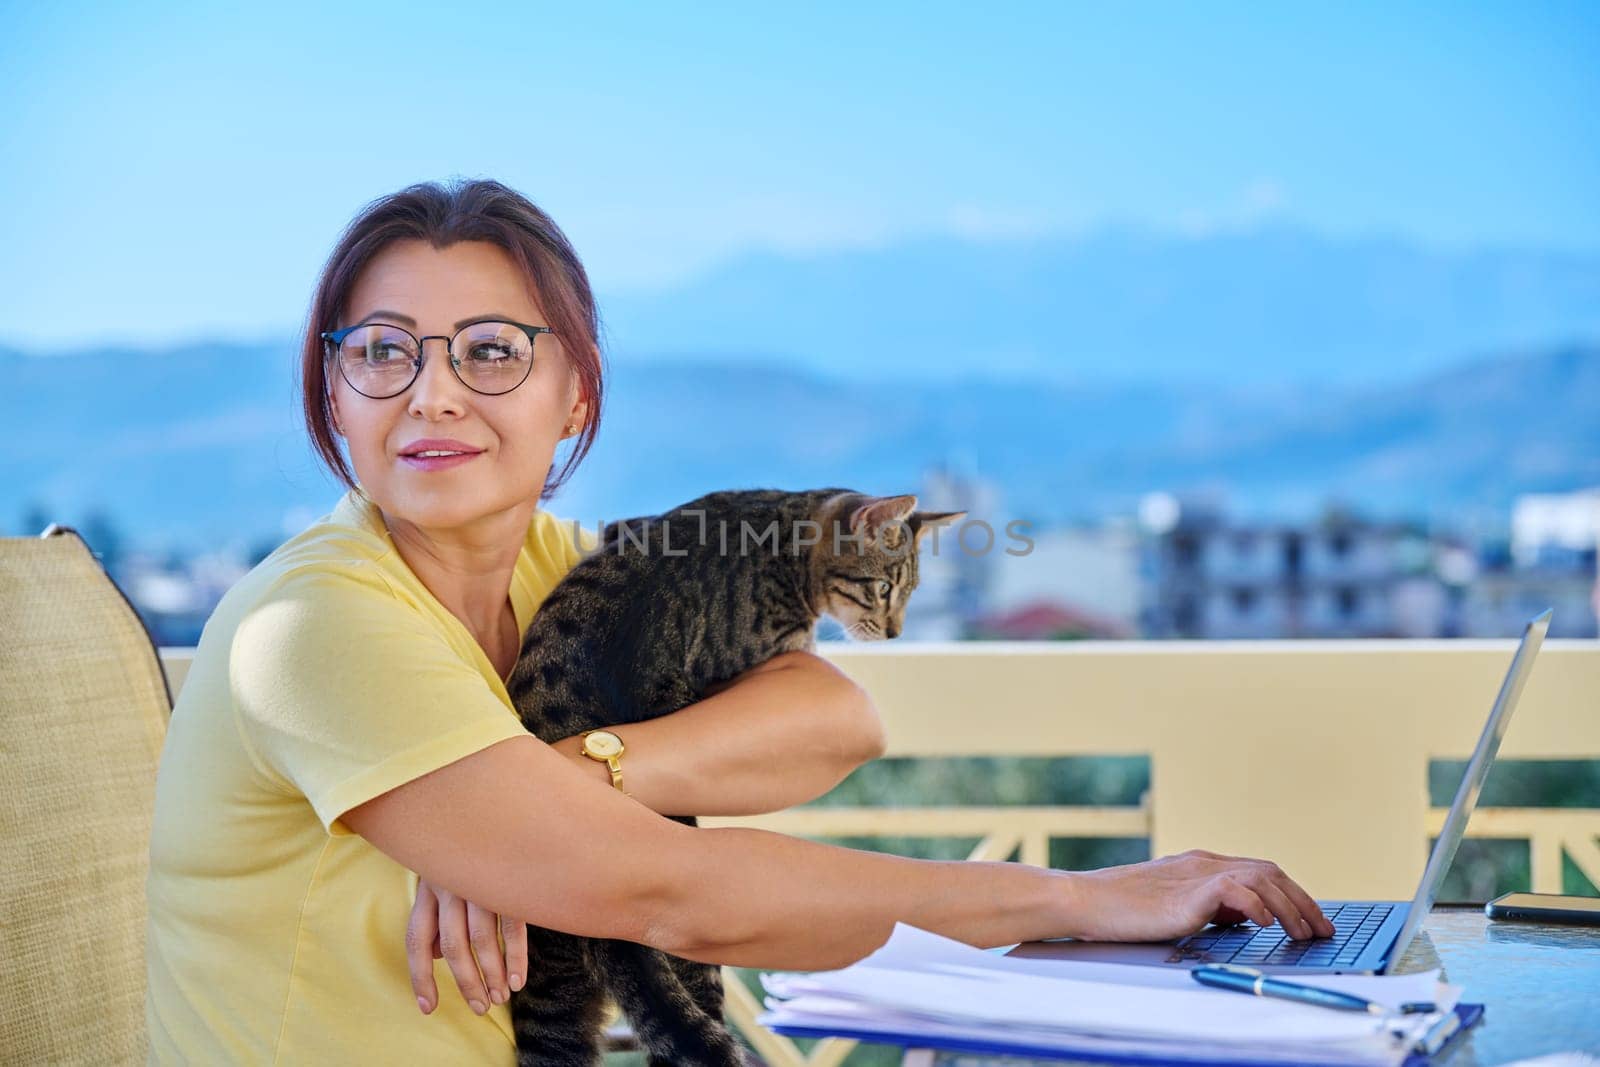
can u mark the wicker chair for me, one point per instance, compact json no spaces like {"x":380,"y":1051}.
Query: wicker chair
{"x":83,"y":708}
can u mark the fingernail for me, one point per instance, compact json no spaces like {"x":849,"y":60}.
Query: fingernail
{"x":422,"y":1002}
{"x":497,"y":996}
{"x":516,"y":981}
{"x":477,"y":1006}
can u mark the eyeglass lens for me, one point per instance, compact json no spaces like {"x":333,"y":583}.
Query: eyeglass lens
{"x":381,"y":361}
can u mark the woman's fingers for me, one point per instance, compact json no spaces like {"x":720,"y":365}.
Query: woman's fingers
{"x":1310,"y":910}
{"x":514,"y":933}
{"x":1281,"y":893}
{"x":455,"y":943}
{"x":467,"y":938}
{"x":1277,"y":901}
{"x":1233,"y":893}
{"x":483,"y":931}
{"x":422,"y":934}
{"x":1303,"y":903}
{"x":1298,"y":912}
{"x":1176,"y":895}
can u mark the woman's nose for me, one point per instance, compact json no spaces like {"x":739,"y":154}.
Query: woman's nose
{"x":437,"y":392}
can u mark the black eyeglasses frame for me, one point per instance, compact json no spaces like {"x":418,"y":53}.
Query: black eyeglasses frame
{"x":333,"y":340}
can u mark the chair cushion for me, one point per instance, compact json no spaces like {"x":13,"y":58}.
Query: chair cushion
{"x":83,"y":707}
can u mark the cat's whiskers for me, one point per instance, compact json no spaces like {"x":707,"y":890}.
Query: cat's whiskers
{"x":865,"y":629}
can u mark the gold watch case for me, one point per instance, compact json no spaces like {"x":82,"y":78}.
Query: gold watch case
{"x":606,"y":747}
{"x":602,"y":745}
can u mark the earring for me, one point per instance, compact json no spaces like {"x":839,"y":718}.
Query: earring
{"x":570,"y":428}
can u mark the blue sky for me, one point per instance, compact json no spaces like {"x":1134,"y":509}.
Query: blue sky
{"x":179,"y":170}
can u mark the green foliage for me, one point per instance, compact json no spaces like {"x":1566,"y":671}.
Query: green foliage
{"x":1486,"y":867}
{"x":994,"y":780}
{"x":1522,"y":783}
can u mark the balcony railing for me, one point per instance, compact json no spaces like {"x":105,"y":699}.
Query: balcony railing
{"x":1312,"y":753}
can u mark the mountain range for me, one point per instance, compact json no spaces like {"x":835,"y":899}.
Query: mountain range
{"x":1270,"y":306}
{"x":201,"y":446}
{"x":1074,"y":375}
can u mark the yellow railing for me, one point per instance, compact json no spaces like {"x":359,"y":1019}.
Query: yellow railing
{"x":1312,"y":753}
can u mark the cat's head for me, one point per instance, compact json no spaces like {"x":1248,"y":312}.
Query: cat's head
{"x":864,"y":576}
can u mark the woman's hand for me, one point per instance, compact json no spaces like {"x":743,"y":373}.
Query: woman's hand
{"x":443,"y":926}
{"x":1177,"y":895}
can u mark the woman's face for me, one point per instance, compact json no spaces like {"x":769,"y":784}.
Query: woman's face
{"x":513,"y":435}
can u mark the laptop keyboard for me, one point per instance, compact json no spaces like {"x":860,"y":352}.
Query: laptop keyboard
{"x":1250,"y":945}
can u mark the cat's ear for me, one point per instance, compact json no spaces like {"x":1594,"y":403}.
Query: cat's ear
{"x":879,"y":520}
{"x":923,"y":521}
{"x":876,"y":511}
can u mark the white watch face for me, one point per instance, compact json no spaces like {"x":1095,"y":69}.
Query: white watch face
{"x":603,"y":743}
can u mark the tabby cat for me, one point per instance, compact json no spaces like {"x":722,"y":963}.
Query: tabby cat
{"x":664,"y":607}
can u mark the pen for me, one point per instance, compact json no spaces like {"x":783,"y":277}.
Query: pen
{"x":1249,"y":980}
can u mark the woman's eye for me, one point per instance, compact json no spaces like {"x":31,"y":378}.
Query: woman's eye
{"x":490,"y":353}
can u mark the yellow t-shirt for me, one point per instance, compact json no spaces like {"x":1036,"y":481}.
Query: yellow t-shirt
{"x":326,"y":676}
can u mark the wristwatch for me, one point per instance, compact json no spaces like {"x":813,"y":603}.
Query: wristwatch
{"x":607,"y":748}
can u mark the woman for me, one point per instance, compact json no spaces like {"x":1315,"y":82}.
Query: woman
{"x":345,"y":722}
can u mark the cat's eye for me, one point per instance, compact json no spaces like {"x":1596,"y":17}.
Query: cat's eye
{"x":883,"y":588}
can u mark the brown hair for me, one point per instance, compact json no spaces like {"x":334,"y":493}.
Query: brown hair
{"x":442,"y":214}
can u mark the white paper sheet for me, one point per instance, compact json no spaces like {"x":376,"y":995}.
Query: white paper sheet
{"x":920,"y":982}
{"x":869,"y":1023}
{"x":910,"y":948}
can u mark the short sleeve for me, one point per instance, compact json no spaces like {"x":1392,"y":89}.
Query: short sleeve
{"x":566,"y":540}
{"x":343,"y":690}
{"x":588,"y":541}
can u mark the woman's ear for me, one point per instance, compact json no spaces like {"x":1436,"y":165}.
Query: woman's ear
{"x":579,"y":415}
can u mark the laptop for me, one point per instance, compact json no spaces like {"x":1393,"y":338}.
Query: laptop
{"x":1369,"y":936}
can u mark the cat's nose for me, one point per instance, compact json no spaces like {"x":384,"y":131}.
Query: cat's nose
{"x":892,"y":628}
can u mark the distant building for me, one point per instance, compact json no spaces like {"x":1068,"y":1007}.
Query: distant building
{"x":1549,"y":563}
{"x":1501,"y":600}
{"x":1205,"y":576}
{"x":1555,"y":528}
{"x":1087,"y":574}
{"x":1047,"y":621}
{"x":994,"y":574}
{"x":953,"y":581}
{"x":175,"y":597}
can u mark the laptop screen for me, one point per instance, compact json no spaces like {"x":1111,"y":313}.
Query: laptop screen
{"x":1455,"y":824}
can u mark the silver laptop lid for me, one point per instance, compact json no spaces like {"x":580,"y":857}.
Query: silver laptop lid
{"x":1455,"y":824}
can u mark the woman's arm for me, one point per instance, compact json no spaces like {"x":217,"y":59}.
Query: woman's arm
{"x":519,"y":830}
{"x":778,"y":735}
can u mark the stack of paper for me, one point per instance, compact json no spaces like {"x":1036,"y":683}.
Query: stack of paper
{"x":946,"y":992}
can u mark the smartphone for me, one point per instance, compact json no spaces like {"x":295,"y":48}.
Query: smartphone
{"x":1545,"y":908}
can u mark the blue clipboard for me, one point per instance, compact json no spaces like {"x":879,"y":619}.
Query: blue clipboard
{"x":1468,"y":1014}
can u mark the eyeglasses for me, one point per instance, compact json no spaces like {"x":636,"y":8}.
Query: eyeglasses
{"x":380,"y":361}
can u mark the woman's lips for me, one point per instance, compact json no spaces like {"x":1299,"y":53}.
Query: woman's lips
{"x":438,"y":463}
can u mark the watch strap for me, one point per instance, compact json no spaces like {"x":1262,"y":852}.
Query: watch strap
{"x":613,"y":764}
